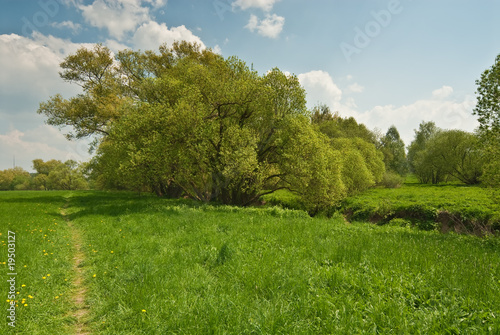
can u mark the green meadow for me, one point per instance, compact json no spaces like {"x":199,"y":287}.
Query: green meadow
{"x":90,"y":262}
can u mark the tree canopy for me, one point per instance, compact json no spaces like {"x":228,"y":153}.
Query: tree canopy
{"x":393,"y":148}
{"x":436,"y":155}
{"x":188,"y":121}
{"x":488,"y":111}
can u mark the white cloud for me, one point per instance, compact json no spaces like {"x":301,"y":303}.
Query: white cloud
{"x":43,"y":142}
{"x":75,"y":27}
{"x":270,"y":27}
{"x":321,"y":88}
{"x":443,"y":92}
{"x":116,"y":46}
{"x":30,"y":69}
{"x":447,"y":113}
{"x":217,"y":50}
{"x":157,"y":3}
{"x":150,"y":35}
{"x":355,"y":88}
{"x":265,"y":5}
{"x":117,"y":16}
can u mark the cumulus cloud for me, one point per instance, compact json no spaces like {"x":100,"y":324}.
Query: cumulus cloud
{"x":217,"y":50}
{"x":150,"y":35}
{"x":117,"y":16}
{"x":30,"y":69}
{"x":321,"y":88}
{"x":355,"y":88}
{"x":265,"y":5}
{"x":270,"y":27}
{"x":443,"y":92}
{"x":74,"y":27}
{"x":43,"y":142}
{"x":447,"y":113}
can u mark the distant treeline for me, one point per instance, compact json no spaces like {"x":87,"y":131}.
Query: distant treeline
{"x":50,"y":175}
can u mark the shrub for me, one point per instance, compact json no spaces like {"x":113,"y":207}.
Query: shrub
{"x":398,"y":222}
{"x":391,"y":180}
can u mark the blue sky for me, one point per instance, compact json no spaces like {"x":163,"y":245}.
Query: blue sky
{"x":387,"y":62}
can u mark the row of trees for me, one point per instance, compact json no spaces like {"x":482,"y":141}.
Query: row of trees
{"x":438,"y":155}
{"x":186,"y":121}
{"x":50,"y":175}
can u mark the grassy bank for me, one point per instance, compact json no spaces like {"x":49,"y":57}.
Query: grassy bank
{"x":156,"y":266}
{"x":460,"y":208}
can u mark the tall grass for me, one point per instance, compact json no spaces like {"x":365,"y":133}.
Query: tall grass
{"x":156,"y":266}
{"x":43,"y":262}
{"x":164,"y":266}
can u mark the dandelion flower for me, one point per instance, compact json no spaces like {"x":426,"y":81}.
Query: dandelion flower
{"x":23,"y":285}
{"x":144,"y":311}
{"x":44,"y":277}
{"x":94,"y":275}
{"x":25,"y":305}
{"x":30,"y":296}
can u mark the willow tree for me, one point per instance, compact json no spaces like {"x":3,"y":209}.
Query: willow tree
{"x":188,"y":121}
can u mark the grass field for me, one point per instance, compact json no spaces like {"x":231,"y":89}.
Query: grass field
{"x":460,"y":208}
{"x":121,"y":263}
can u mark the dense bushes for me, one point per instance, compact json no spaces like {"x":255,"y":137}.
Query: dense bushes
{"x":438,"y":155}
{"x":465,"y":209}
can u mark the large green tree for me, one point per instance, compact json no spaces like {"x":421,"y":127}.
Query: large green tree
{"x":488,"y":111}
{"x":14,"y":179}
{"x":425,"y":172}
{"x":362,"y":164}
{"x":187,"y":121}
{"x":393,"y":148}
{"x":454,"y":153}
{"x":56,"y":175}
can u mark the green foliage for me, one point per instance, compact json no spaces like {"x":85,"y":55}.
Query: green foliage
{"x":56,"y":175}
{"x":312,"y":168}
{"x":424,"y":172}
{"x":464,"y":209}
{"x":334,"y":126}
{"x":455,"y":153}
{"x":90,"y":112}
{"x":392,"y":180}
{"x":283,"y":199}
{"x":203,"y":269}
{"x":438,"y":155}
{"x":43,"y":262}
{"x":14,"y":179}
{"x":488,"y":111}
{"x":186,"y":121}
{"x":399,"y":222}
{"x":394,"y":152}
{"x":362,"y":163}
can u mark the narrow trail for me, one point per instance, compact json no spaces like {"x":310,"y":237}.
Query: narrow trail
{"x":78,"y":294}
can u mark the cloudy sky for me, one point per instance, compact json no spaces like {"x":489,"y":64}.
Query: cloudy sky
{"x":388,"y":62}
